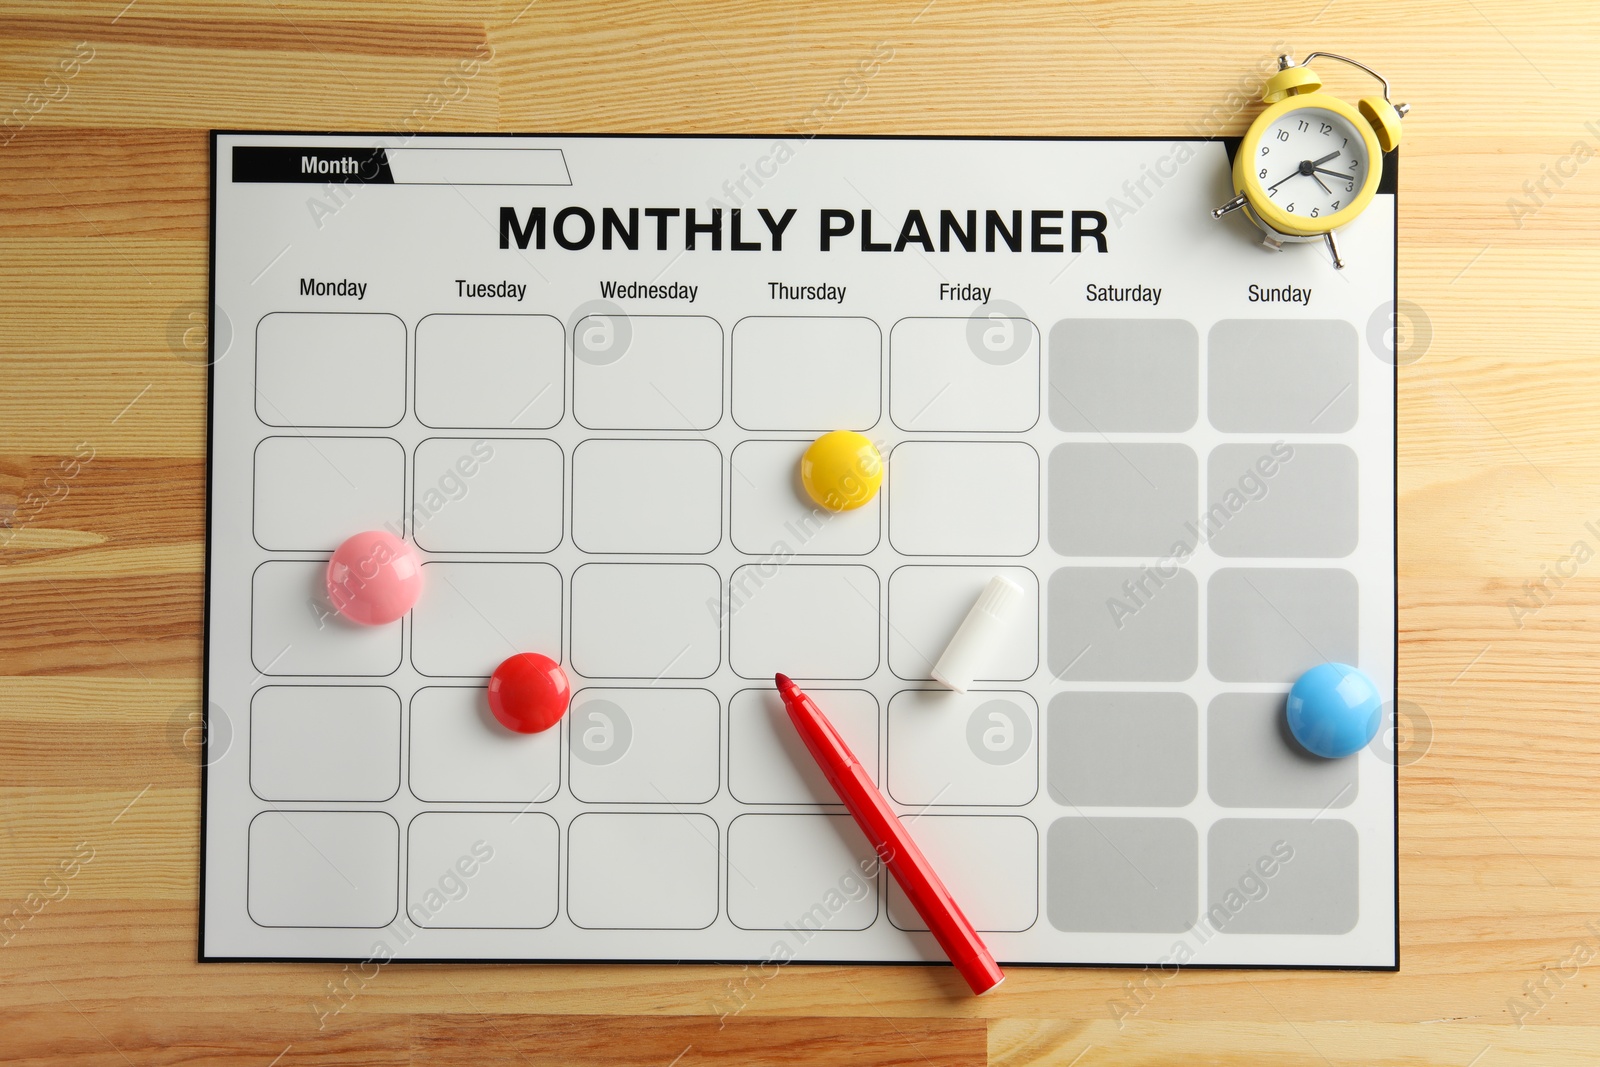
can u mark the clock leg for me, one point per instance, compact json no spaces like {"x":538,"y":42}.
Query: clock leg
{"x":1271,"y":243}
{"x":1232,"y":205}
{"x":1333,"y":250}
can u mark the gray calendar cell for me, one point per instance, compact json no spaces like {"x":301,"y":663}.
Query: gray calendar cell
{"x":1122,"y":875}
{"x":1272,"y":625}
{"x":1124,"y":375}
{"x":1122,"y":499}
{"x":1252,"y":761}
{"x":1305,"y":507}
{"x":1282,"y":876}
{"x":1123,"y":624}
{"x":1282,"y":375}
{"x":1123,"y":749}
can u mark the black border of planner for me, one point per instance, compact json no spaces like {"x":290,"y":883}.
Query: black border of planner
{"x":1389,"y":184}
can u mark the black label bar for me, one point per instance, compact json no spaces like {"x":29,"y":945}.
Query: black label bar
{"x":287,"y":163}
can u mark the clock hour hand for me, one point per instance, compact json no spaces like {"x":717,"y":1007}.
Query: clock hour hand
{"x":1324,"y":159}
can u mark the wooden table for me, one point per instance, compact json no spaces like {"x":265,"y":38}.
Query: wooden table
{"x":103,"y":242}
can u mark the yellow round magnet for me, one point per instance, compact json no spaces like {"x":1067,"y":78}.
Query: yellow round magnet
{"x":841,"y":470}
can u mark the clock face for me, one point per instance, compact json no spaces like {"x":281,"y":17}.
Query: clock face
{"x":1311,"y":162}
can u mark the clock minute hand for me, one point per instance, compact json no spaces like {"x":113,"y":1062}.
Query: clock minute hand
{"x":1335,"y":173}
{"x":1307,"y":166}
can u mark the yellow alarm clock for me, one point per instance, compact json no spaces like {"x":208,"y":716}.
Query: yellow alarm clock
{"x":1310,"y":163}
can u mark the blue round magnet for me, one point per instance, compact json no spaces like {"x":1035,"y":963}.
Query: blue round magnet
{"x":1334,"y":710}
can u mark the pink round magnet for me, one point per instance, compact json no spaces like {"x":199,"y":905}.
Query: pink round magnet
{"x":374,"y":578}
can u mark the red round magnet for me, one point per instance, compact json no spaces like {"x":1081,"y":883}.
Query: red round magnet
{"x":529,"y":693}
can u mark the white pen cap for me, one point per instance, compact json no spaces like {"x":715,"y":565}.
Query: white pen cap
{"x":976,"y":641}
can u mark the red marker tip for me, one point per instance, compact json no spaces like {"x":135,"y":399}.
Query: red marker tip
{"x":784,"y":682}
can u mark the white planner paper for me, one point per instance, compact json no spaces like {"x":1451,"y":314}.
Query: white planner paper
{"x":588,"y":417}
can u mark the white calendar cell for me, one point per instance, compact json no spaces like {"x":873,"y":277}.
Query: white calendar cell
{"x":313,"y":492}
{"x":804,"y":372}
{"x":487,"y":495}
{"x":972,"y":498}
{"x":773,"y":514}
{"x":974,"y":373}
{"x":490,"y":371}
{"x":990,"y":864}
{"x":325,"y":742}
{"x":978,"y":747}
{"x":808,"y":620}
{"x":655,"y":372}
{"x":330,"y":369}
{"x":471,"y":616}
{"x":801,"y":872}
{"x":646,"y":620}
{"x":644,"y":745}
{"x":295,"y":631}
{"x":927,"y":605}
{"x":612,"y":854}
{"x":324,"y":868}
{"x":461,"y":753}
{"x":482,"y":870}
{"x":767,"y":761}
{"x":647,"y":496}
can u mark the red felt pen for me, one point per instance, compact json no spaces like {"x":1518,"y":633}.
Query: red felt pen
{"x":891,"y":841}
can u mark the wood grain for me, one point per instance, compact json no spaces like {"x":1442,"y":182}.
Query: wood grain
{"x":103,"y":193}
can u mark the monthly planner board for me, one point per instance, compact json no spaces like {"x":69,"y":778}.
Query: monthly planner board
{"x":578,"y":374}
